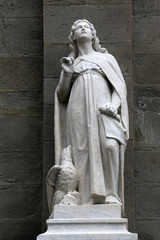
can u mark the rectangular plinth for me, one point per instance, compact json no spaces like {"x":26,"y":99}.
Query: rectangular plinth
{"x":87,"y":222}
{"x":87,"y":229}
{"x":87,"y":211}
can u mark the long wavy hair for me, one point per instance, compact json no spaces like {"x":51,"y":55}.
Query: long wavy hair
{"x":95,"y":41}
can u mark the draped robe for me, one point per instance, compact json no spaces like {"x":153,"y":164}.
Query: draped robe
{"x":77,"y":123}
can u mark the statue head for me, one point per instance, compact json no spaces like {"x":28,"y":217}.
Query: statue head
{"x":95,"y":40}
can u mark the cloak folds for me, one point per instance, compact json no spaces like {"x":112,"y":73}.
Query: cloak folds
{"x":110,"y":68}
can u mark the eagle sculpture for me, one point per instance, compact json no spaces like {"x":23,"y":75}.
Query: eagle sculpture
{"x":62,"y":182}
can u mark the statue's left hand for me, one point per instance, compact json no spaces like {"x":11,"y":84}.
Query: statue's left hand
{"x":110,"y":110}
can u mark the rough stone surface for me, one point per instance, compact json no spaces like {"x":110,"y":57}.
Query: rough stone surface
{"x":103,"y":2}
{"x":20,"y":119}
{"x":150,"y":208}
{"x":146,"y":7}
{"x":50,"y":85}
{"x":20,"y":72}
{"x":147,"y":118}
{"x":147,"y":165}
{"x":111,"y":31}
{"x":146,"y":59}
{"x":27,"y":201}
{"x":20,"y":133}
{"x":64,"y":2}
{"x":146,"y":30}
{"x":19,"y":229}
{"x":27,"y":168}
{"x":148,"y":229}
{"x":21,"y":36}
{"x":48,"y":120}
{"x":52,"y":56}
{"x":14,"y":8}
{"x":146,"y":71}
{"x":22,"y":99}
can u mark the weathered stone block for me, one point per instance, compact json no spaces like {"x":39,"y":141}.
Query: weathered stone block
{"x":21,"y":72}
{"x":128,"y":167}
{"x":125,"y":65}
{"x":112,"y":23}
{"x":48,"y":122}
{"x":20,"y":133}
{"x":21,"y":230}
{"x":147,"y":201}
{"x":49,"y":86}
{"x":13,"y":8}
{"x":129,"y":191}
{"x":147,"y":100}
{"x":52,"y":56}
{"x":146,"y":119}
{"x":108,"y":2}
{"x":25,"y":99}
{"x":129,"y":83}
{"x":48,"y":161}
{"x":64,"y":2}
{"x":117,"y":48}
{"x":20,"y":202}
{"x":146,"y":34}
{"x":147,"y":166}
{"x":143,"y":6}
{"x":146,"y":131}
{"x":130,"y":215}
{"x":21,"y":168}
{"x":146,"y":69}
{"x":21,"y":36}
{"x":148,"y":229}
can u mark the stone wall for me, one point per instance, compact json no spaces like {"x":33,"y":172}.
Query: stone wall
{"x":20,"y":119}
{"x":146,"y":76}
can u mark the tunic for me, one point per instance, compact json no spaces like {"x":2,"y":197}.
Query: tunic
{"x":77,"y":121}
{"x":90,"y":90}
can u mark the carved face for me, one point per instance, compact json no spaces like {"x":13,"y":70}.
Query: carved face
{"x":83,"y":32}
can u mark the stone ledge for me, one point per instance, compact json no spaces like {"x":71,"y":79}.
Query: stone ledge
{"x":87,"y":211}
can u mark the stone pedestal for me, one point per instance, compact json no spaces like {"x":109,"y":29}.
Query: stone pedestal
{"x":87,"y":222}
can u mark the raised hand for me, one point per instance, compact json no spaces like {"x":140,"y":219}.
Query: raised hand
{"x":67,"y":65}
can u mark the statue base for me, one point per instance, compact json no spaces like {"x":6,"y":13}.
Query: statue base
{"x":87,"y":222}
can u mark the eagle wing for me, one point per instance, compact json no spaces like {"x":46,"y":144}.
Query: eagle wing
{"x":50,"y":184}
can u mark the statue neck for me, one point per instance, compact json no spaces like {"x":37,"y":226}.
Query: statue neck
{"x":85,"y":48}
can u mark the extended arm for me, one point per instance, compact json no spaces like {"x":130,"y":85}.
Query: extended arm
{"x":64,"y":86}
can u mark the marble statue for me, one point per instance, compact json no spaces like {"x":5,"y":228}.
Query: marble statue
{"x":91,"y":116}
{"x":86,"y":186}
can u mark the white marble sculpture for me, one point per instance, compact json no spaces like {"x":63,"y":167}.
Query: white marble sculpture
{"x":91,"y":115}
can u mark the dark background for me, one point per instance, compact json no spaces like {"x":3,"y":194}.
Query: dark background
{"x":130,"y":31}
